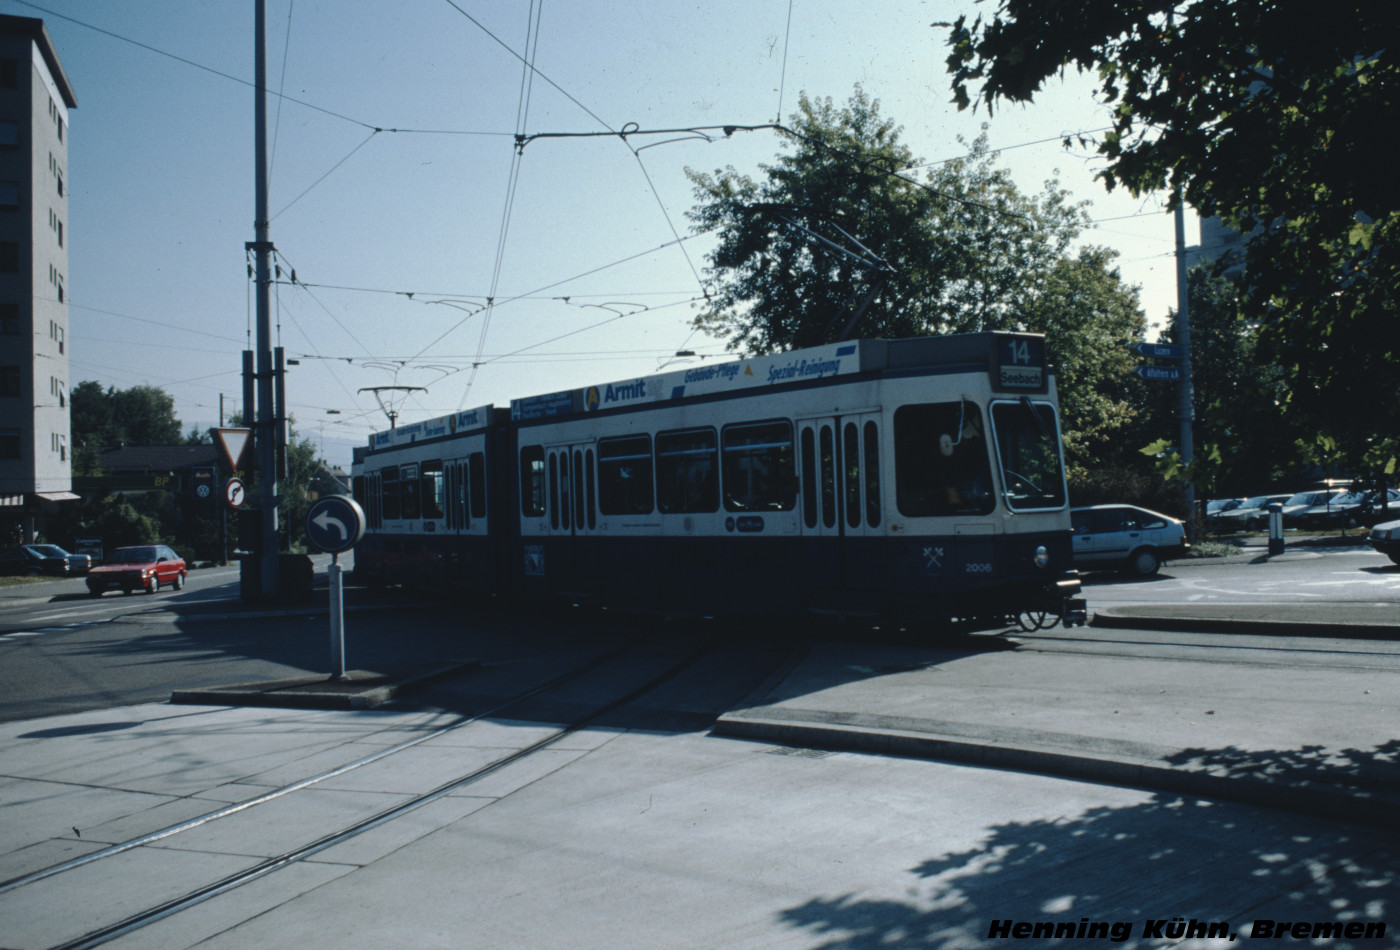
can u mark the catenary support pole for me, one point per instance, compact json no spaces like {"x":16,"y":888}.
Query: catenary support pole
{"x":265,"y":430}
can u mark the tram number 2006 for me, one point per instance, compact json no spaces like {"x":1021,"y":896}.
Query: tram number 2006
{"x":977,"y":568}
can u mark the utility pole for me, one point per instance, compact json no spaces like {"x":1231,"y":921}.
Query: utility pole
{"x":1185,"y":410}
{"x":266,"y":428}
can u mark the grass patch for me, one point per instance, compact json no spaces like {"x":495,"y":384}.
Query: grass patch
{"x":18,"y":581}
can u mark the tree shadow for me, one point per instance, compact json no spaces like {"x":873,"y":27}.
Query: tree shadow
{"x":1125,"y":867}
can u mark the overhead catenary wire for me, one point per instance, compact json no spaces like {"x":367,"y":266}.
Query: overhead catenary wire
{"x":532,"y":40}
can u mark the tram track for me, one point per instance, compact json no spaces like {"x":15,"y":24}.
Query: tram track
{"x":160,"y":910}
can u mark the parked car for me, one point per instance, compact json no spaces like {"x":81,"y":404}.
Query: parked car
{"x":1304,"y":500}
{"x":1337,"y":511}
{"x":145,"y":567}
{"x":1252,"y":514}
{"x":1126,"y":537}
{"x":1347,"y":510}
{"x":1385,"y":538}
{"x":1372,"y":511}
{"x":36,"y":559}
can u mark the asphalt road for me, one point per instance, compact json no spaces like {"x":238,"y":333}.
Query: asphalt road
{"x":641,"y":830}
{"x":63,"y":651}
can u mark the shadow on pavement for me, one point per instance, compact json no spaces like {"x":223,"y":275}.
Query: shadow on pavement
{"x":1105,"y":866}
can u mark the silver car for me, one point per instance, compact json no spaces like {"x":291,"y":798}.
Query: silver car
{"x":1126,"y":538}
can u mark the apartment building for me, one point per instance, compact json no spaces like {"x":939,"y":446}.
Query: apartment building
{"x":35,"y":443}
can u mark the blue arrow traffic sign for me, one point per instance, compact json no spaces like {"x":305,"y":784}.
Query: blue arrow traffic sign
{"x":335,"y":523}
{"x":1161,"y":351}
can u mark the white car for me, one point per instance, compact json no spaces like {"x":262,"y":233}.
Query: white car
{"x":1385,"y":538}
{"x":1127,"y":538}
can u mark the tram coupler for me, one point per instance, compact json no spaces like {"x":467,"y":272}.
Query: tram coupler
{"x":1064,"y":594}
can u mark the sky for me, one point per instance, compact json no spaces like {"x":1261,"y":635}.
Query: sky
{"x":399,"y":198}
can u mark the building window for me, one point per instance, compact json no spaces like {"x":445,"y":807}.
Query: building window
{"x":9,"y":196}
{"x":59,"y":176}
{"x":9,"y":73}
{"x":9,"y":319}
{"x":9,"y":443}
{"x":9,"y":133}
{"x":9,"y":257}
{"x":9,"y":381}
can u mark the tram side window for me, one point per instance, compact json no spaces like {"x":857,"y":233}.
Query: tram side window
{"x":624,"y":476}
{"x":410,"y":497}
{"x":532,"y":484}
{"x":687,"y":471}
{"x":476,"y":466}
{"x":389,"y":494}
{"x":759,"y":472}
{"x":809,"y":479}
{"x":431,"y":489}
{"x":357,"y":491}
{"x":941,"y":463}
{"x":872,"y":474}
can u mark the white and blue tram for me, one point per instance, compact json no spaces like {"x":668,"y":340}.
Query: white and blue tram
{"x":917,"y":482}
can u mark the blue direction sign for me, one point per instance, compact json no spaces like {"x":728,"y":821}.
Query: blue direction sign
{"x":1161,"y":351}
{"x":335,"y":523}
{"x":1168,"y":373}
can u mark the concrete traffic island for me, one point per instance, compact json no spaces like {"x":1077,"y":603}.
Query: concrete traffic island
{"x":1304,"y":735}
{"x":360,"y":689}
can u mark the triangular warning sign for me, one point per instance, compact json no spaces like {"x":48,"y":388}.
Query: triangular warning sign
{"x":233,"y":442}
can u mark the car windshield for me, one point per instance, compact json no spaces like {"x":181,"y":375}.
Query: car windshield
{"x":1305,"y":498}
{"x":50,"y":550}
{"x":132,"y":555}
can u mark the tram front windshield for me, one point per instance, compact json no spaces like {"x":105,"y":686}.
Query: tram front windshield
{"x":1029,"y":452}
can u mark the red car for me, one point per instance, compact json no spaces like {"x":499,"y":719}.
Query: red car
{"x":145,"y":567}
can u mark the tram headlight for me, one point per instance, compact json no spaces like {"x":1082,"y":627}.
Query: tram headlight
{"x":1042,"y":557}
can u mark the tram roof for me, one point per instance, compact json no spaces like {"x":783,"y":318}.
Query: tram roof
{"x":1016,"y":361}
{"x":995,"y":351}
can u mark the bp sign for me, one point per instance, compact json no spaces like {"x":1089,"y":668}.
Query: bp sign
{"x":335,"y":523}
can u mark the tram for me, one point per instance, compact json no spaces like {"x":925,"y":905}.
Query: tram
{"x":916,"y":482}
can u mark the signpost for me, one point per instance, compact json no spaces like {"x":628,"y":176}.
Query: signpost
{"x":334,"y":524}
{"x":1160,"y":351}
{"x":234,"y":442}
{"x":1165,"y":373}
{"x":234,"y":494}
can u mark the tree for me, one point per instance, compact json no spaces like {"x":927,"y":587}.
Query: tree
{"x":141,"y":415}
{"x":953,"y":253}
{"x":1088,"y":317}
{"x":962,"y":251}
{"x":1271,"y":114}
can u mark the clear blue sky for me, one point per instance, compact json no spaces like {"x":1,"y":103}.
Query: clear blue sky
{"x":397,"y":236}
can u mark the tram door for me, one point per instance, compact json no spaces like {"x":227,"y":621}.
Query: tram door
{"x":573,"y":511}
{"x":840,"y":475}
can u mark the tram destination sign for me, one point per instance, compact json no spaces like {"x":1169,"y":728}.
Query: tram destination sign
{"x":1021,"y":362}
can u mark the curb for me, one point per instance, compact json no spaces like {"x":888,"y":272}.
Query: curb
{"x":361,"y":689}
{"x":1340,"y":803}
{"x":1109,"y":619}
